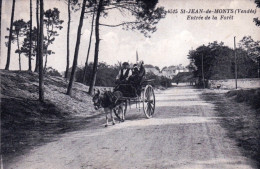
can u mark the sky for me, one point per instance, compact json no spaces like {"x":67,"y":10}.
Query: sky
{"x":169,"y":45}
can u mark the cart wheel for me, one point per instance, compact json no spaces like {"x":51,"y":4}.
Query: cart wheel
{"x":148,"y":101}
{"x":120,"y":112}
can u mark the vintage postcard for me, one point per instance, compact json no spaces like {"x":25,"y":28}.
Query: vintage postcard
{"x":130,"y":84}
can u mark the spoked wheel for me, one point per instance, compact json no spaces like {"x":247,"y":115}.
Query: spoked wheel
{"x":148,"y":101}
{"x":120,"y":112}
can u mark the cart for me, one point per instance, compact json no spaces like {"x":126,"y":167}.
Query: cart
{"x":142,"y":94}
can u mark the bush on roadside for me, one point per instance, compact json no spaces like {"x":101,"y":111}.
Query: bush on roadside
{"x":52,"y":72}
{"x":250,"y":96}
{"x":106,"y":74}
{"x":158,"y":80}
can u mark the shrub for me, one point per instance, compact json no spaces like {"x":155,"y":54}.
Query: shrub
{"x":52,"y":72}
{"x":251,"y":96}
{"x":158,"y":80}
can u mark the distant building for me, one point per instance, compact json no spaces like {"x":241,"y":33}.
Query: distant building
{"x":168,"y":72}
{"x":172,"y":71}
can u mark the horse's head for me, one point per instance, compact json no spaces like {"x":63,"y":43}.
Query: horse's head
{"x":96,"y":99}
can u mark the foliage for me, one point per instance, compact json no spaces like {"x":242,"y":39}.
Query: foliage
{"x":158,"y":80}
{"x":106,"y":74}
{"x":148,"y":66}
{"x":256,"y":20}
{"x":251,"y":47}
{"x":145,"y":12}
{"x":19,"y":30}
{"x":247,"y":68}
{"x":253,"y":50}
{"x":165,"y":82}
{"x":146,"y":15}
{"x":183,"y":77}
{"x":19,"y":27}
{"x":52,"y":72}
{"x":219,"y":62}
{"x":151,"y":66}
{"x":251,"y":96}
{"x":22,"y":29}
{"x":53,"y":23}
{"x":52,"y":20}
{"x":74,"y":5}
{"x":26,"y":42}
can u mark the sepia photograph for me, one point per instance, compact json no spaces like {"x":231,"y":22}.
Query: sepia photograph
{"x":124,"y":84}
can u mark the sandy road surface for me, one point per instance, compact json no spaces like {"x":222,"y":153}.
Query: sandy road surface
{"x":184,"y":133}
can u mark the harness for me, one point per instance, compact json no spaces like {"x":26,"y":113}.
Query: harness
{"x":108,"y":100}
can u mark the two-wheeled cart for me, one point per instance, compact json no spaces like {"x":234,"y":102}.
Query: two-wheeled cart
{"x":139,"y":95}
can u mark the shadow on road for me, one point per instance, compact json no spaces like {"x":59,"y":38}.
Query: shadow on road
{"x":25,"y":129}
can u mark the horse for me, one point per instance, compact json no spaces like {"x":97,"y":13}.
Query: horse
{"x":110,"y":101}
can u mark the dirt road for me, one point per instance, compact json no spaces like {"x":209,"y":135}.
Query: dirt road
{"x":184,"y":133}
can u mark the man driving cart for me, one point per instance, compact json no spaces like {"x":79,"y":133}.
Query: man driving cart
{"x":124,"y":74}
{"x":129,"y":81}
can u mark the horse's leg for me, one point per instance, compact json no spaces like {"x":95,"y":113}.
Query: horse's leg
{"x":124,"y":105}
{"x":123,"y":113}
{"x":106,"y":111}
{"x":112,"y":117}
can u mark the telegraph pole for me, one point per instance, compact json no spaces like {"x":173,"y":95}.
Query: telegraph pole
{"x":137,"y":59}
{"x":235,"y":60}
{"x":258,"y":69}
{"x":202,"y":71}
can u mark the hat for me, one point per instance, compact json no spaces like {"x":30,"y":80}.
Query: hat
{"x":141,"y":62}
{"x":125,"y":63}
{"x":135,"y":65}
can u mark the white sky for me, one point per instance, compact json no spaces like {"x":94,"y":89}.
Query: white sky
{"x":169,"y":45}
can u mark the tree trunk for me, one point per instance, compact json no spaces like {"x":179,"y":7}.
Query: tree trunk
{"x":47,"y":45}
{"x":41,"y":90}
{"x":68,"y":42}
{"x":18,"y":46}
{"x":0,"y":24}
{"x":89,"y":45}
{"x":258,"y":67}
{"x":30,"y":50}
{"x":75,"y":60}
{"x":93,"y":77}
{"x":10,"y":37}
{"x":38,"y":29}
{"x":202,"y":71}
{"x":45,"y":65}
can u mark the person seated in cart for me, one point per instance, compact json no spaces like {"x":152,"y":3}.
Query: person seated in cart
{"x":122,"y":80}
{"x":141,"y":71}
{"x":137,"y":76}
{"x":124,"y":74}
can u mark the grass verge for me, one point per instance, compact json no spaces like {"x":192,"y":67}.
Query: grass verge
{"x":26,"y":122}
{"x":241,"y":118}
